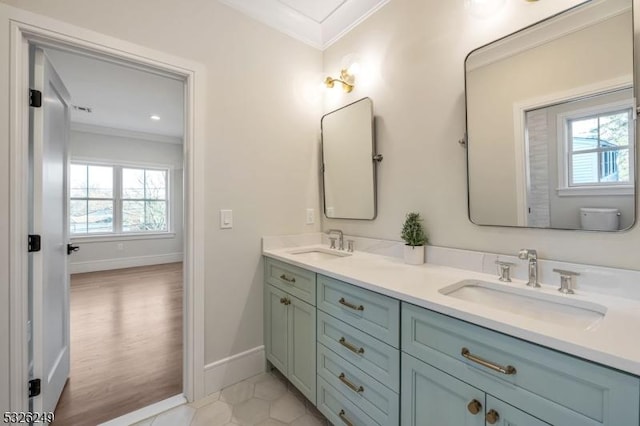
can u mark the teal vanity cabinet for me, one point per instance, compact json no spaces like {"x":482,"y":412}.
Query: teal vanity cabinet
{"x":448,"y":364}
{"x":290,"y":324}
{"x":366,"y":359}
{"x":444,"y":400}
{"x":358,"y":355}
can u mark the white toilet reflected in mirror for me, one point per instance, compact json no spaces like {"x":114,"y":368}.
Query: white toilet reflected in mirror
{"x":599,"y":219}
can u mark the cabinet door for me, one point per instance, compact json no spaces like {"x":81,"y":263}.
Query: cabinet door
{"x":430,"y":397}
{"x":302,"y":347}
{"x":507,"y":415}
{"x":275,"y":333}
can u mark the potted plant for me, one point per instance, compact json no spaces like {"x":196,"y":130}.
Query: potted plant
{"x":415,"y":239}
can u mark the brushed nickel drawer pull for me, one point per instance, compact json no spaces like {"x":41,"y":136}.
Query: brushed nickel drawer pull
{"x":350,"y":346}
{"x":508,"y":370}
{"x":289,"y":280}
{"x":350,"y":305}
{"x":343,"y":417}
{"x":356,"y":389}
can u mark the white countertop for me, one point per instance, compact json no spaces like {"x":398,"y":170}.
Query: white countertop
{"x":614,"y":341}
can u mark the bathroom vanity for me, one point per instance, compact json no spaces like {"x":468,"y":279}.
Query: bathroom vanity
{"x":398,"y":344}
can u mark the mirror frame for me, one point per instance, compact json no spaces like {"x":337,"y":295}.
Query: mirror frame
{"x":635,"y":23}
{"x":373,"y":165}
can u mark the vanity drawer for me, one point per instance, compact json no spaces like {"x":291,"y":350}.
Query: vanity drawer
{"x":378,"y":401}
{"x":557,"y":388}
{"x":296,"y":281}
{"x":370,"y":312}
{"x":377,"y":359}
{"x":338,"y":409}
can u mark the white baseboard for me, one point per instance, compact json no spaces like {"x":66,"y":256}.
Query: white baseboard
{"x":146,"y":412}
{"x":123,"y":262}
{"x":233,"y":369}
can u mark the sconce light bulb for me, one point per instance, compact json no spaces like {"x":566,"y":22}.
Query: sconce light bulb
{"x":354,"y":69}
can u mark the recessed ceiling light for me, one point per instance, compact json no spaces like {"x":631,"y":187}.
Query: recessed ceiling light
{"x":155,"y":117}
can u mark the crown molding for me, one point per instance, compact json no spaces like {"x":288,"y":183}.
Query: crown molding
{"x":123,"y":133}
{"x":566,"y":23}
{"x":290,"y":21}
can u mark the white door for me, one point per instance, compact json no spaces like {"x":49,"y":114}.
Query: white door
{"x":49,"y":278}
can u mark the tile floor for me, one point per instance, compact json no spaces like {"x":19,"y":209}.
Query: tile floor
{"x":264,"y":400}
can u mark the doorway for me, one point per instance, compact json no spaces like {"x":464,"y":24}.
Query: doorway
{"x":28,"y":30}
{"x":124,"y":159}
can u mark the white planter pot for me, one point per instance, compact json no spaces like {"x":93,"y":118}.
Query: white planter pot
{"x":414,"y":255}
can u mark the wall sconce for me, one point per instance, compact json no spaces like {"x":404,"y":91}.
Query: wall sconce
{"x":346,"y":79}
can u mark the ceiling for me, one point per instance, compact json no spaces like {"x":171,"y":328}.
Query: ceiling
{"x":319,"y":23}
{"x":121,"y":98}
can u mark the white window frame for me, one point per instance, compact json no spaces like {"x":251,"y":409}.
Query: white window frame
{"x":565,"y":189}
{"x":118,"y":234}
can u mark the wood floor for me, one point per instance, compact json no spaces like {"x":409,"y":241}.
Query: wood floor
{"x":126,"y":343}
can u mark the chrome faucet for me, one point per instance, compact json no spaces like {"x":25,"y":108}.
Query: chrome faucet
{"x":532,"y":256}
{"x":340,"y":238}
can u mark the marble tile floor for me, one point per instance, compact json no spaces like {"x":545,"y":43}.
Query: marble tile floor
{"x":267,"y":399}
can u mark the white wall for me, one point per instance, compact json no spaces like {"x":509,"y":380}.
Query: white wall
{"x":413,"y":54}
{"x":262,"y":132}
{"x":101,"y":255}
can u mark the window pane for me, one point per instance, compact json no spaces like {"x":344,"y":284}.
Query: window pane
{"x":614,"y":166}
{"x":100,"y":182}
{"x":133,"y":184}
{"x":584,"y":168}
{"x":78,"y":181}
{"x":156,"y":184}
{"x":614,"y":130}
{"x":623,"y":166}
{"x":156,"y":216}
{"x":132,"y":216}
{"x":100,"y":216}
{"x":584,"y":133}
{"x":78,"y":216}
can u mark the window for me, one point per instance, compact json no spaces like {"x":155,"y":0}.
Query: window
{"x":144,"y":200}
{"x":597,"y":152}
{"x":599,"y":147}
{"x":91,"y":199}
{"x":117,"y":200}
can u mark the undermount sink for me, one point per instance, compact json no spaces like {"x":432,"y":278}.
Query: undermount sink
{"x":558,"y":310}
{"x":319,"y":253}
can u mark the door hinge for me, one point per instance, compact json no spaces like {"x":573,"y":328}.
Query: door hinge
{"x":34,"y":387}
{"x":35,"y":98}
{"x":34,"y":243}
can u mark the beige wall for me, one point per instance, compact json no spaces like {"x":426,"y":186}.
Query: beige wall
{"x":413,"y":54}
{"x":595,"y":54}
{"x":262,"y":141}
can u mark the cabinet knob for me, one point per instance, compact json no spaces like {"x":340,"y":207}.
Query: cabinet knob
{"x":474,"y":407}
{"x":492,"y":417}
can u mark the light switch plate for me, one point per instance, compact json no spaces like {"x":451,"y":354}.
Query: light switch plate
{"x":226,"y":219}
{"x":311,"y":216}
